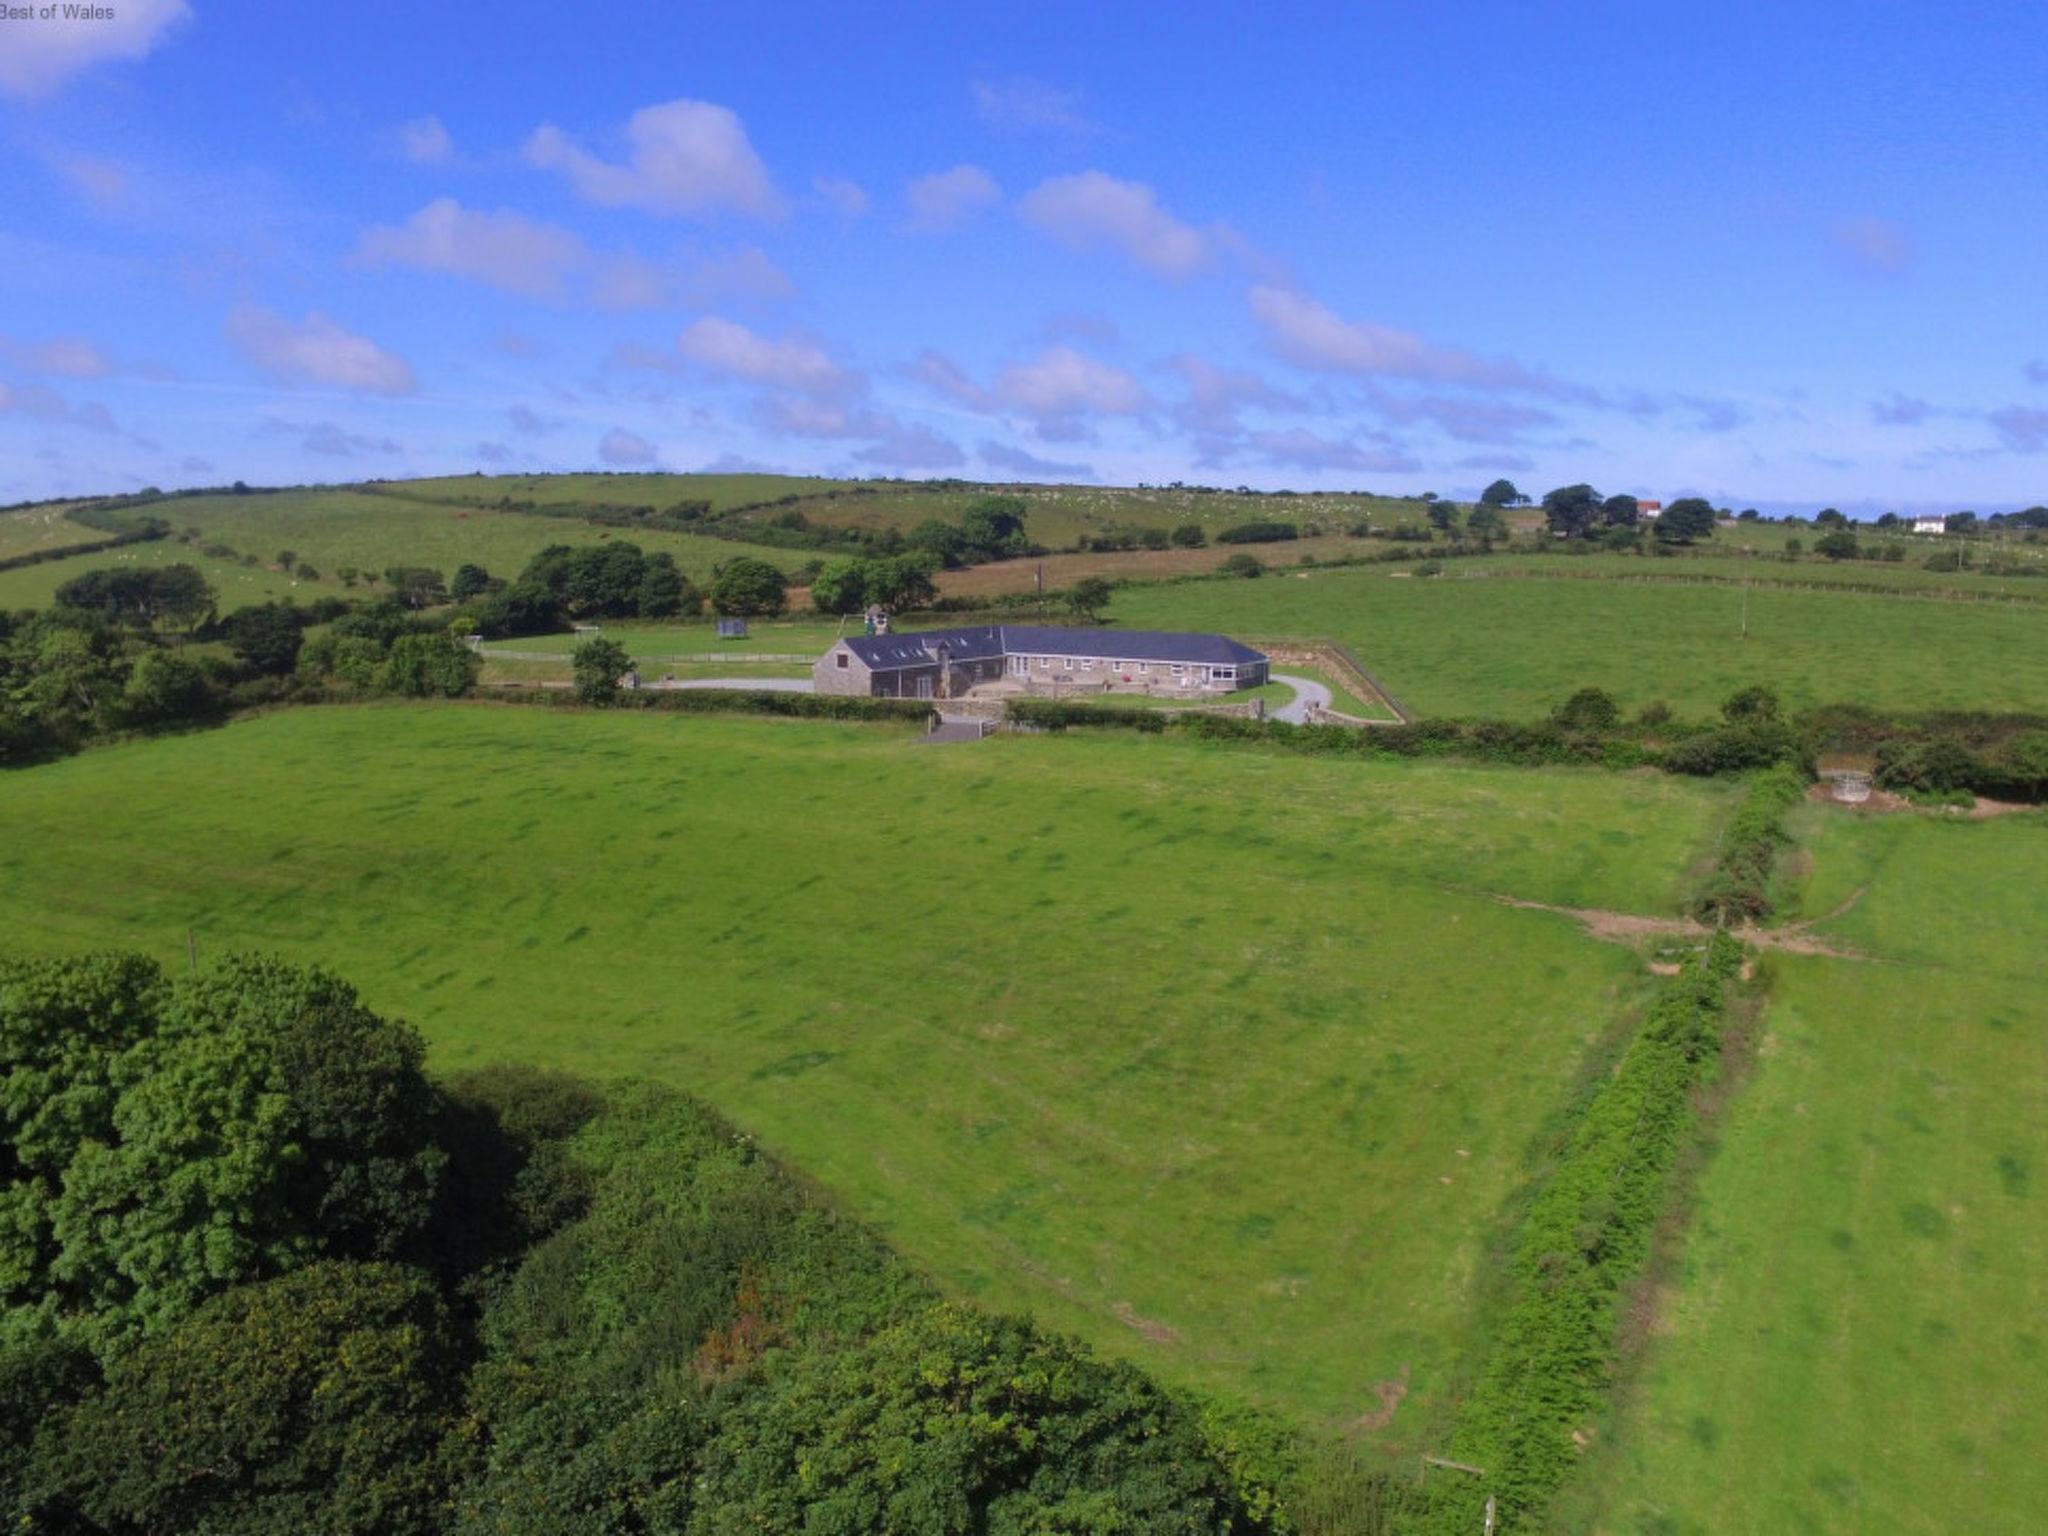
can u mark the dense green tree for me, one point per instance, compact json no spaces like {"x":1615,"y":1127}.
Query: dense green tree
{"x":1443,"y":516}
{"x":746,"y":588}
{"x":1244,"y":563}
{"x":841,"y":586}
{"x":428,"y":666}
{"x":663,"y":591}
{"x":1686,"y":519}
{"x":1960,"y":522}
{"x":1089,"y":596}
{"x":1829,"y":517}
{"x":1188,"y":536}
{"x":1837,"y":544}
{"x":902,"y":582}
{"x":1501,"y":493}
{"x":1571,"y":510}
{"x":315,"y":1402}
{"x":1590,"y":709}
{"x":992,"y":528}
{"x":416,"y":586}
{"x":1486,"y":524}
{"x":265,"y":638}
{"x":204,"y":1132}
{"x":470,"y":581}
{"x":939,"y":539}
{"x":141,"y":596}
{"x":955,"y":1421}
{"x":1753,"y":705}
{"x":597,"y":666}
{"x":1620,"y":512}
{"x":61,"y":676}
{"x":165,"y":689}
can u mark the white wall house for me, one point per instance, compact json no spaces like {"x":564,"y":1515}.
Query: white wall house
{"x":1930,"y":525}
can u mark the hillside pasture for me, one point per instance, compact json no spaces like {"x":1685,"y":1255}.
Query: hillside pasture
{"x":31,"y":530}
{"x":1472,"y":643}
{"x":34,"y":586}
{"x":1855,"y":1341}
{"x":1227,"y":1060}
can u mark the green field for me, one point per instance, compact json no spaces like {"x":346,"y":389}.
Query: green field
{"x":1857,"y":1338}
{"x":28,"y":530}
{"x":33,"y":586}
{"x":661,"y":642}
{"x":1225,"y":1059}
{"x":1483,"y":645}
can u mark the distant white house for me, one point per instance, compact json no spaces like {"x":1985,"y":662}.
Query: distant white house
{"x":1930,"y":525}
{"x":1649,"y":511}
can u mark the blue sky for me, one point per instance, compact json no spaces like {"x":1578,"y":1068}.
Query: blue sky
{"x":1783,"y":255}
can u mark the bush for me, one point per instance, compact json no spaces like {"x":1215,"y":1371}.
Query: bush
{"x":1738,"y":891}
{"x":1590,"y":709}
{"x":314,"y":1402}
{"x":1943,"y":765}
{"x":598,"y":665}
{"x":1188,"y":536}
{"x":1242,"y":565}
{"x":1753,"y":704}
{"x":1258,"y":533}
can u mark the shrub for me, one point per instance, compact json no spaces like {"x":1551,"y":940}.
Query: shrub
{"x":1242,"y":565}
{"x":598,"y":665}
{"x":1258,"y":533}
{"x":1590,"y":709}
{"x":1188,"y":536}
{"x":1752,"y":704}
{"x":1929,"y":767}
{"x":1738,"y":891}
{"x":314,"y":1402}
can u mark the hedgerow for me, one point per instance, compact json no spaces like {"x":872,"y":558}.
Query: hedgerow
{"x":1738,"y":891}
{"x":1584,"y":1238}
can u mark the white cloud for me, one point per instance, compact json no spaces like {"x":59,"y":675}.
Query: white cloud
{"x":1094,"y":210}
{"x":744,"y":273}
{"x":2022,"y":428}
{"x":1874,"y":248}
{"x":941,"y":200}
{"x":505,"y":249}
{"x":682,"y":157}
{"x":891,"y":442}
{"x":100,"y":182}
{"x":1307,"y":450}
{"x":1055,"y":390}
{"x":1062,"y":382}
{"x":45,"y":404}
{"x":729,"y":348}
{"x":424,"y":141}
{"x":1021,"y":102}
{"x":1309,"y":335}
{"x":622,"y":448}
{"x":69,"y":357}
{"x":849,"y":198}
{"x":39,"y":56}
{"x":317,"y":351}
{"x":529,"y":423}
{"x":1030,"y":466}
{"x":1216,"y":396}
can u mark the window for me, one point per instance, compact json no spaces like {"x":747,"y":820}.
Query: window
{"x":841,"y":660}
{"x":1088,"y":664}
{"x":1069,"y":663}
{"x":1144,"y":666}
{"x":1177,"y":669}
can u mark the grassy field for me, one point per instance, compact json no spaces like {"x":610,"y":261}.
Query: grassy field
{"x":1858,"y":1337}
{"x":661,"y":642}
{"x":32,"y":586}
{"x":1477,"y":644}
{"x":1225,"y":1059}
{"x":30,"y":529}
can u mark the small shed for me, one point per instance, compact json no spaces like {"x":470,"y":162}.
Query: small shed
{"x":732,"y":629}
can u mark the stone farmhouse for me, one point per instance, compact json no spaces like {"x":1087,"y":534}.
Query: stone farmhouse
{"x":1025,"y":658}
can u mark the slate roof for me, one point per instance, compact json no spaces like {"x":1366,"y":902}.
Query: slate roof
{"x":984,"y":642}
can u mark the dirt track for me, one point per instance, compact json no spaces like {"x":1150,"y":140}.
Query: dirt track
{"x":1631,"y":927}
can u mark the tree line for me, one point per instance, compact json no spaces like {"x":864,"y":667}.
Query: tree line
{"x":260,"y":1274}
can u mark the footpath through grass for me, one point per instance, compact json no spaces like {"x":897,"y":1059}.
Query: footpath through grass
{"x":1225,"y":1059}
{"x":1856,"y":1340}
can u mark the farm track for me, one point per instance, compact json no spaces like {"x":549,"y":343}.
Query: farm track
{"x":1632,"y":927}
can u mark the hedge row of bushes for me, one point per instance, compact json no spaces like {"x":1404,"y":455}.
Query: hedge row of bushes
{"x":154,"y":528}
{"x":744,"y":701}
{"x":1583,"y":1240}
{"x":1738,"y":891}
